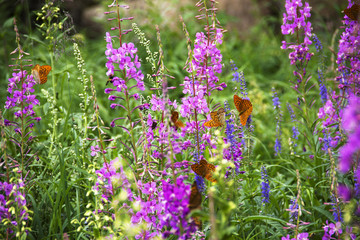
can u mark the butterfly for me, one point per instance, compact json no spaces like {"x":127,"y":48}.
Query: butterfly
{"x":195,"y":202}
{"x":195,"y":197}
{"x":353,"y":12}
{"x":217,"y":119}
{"x":244,"y":107}
{"x":153,"y":125}
{"x":175,"y":119}
{"x":204,"y":169}
{"x":40,"y":73}
{"x":111,"y":77}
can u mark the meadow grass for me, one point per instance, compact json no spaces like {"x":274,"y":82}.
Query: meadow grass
{"x":113,"y":146}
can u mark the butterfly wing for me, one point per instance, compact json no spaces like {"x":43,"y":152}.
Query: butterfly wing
{"x":210,"y":169}
{"x":221,"y":116}
{"x":43,"y":72}
{"x":244,"y":107}
{"x":244,"y":117}
{"x":195,"y":202}
{"x":353,"y":12}
{"x":217,"y":119}
{"x":175,"y":119}
{"x":199,"y":168}
{"x":35,"y":72}
{"x":195,"y":197}
{"x":179,"y":124}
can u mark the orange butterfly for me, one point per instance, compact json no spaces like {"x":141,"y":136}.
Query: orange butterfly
{"x":195,"y":197}
{"x":244,"y":107}
{"x":217,"y":119}
{"x":40,"y":73}
{"x":204,"y":169}
{"x":175,"y":119}
{"x":353,"y":12}
{"x":195,"y":202}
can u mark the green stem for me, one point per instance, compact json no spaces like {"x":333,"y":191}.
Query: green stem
{"x":54,"y":117}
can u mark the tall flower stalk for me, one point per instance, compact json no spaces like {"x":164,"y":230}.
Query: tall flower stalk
{"x":21,"y":102}
{"x":124,"y":61}
{"x":295,"y":23}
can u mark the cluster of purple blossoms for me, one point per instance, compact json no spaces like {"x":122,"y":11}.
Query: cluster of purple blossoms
{"x":322,"y":86}
{"x":240,"y":78}
{"x":206,"y":63}
{"x":293,"y":209}
{"x":164,"y":208}
{"x":265,"y":187}
{"x":207,"y":60}
{"x":348,"y":58}
{"x":294,"y":20}
{"x":300,"y":236}
{"x":334,"y":231}
{"x":295,"y":130}
{"x":127,"y":61}
{"x":109,"y":174}
{"x":176,"y":208}
{"x":351,"y":124}
{"x":276,"y":103}
{"x":329,"y":116}
{"x":20,"y":88}
{"x":9,"y":196}
{"x":336,"y":207}
{"x":233,"y":152}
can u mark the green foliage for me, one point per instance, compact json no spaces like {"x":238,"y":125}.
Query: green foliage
{"x":75,"y":112}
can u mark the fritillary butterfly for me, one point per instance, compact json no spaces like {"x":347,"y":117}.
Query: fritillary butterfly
{"x":195,"y":202}
{"x":40,"y":73}
{"x":204,"y":169}
{"x":195,"y":197}
{"x":217,"y":119}
{"x":175,"y":119}
{"x":244,"y":107}
{"x":353,"y":12}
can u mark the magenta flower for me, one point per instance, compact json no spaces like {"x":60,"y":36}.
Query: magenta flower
{"x":95,"y":150}
{"x":348,"y":58}
{"x":21,"y":95}
{"x":351,"y":123}
{"x":127,"y":61}
{"x":295,"y":21}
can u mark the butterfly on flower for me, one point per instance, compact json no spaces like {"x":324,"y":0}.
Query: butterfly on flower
{"x":195,"y":203}
{"x":244,"y":107}
{"x":175,"y":120}
{"x":40,"y":73}
{"x":111,"y":77}
{"x":204,"y":169}
{"x":353,"y":12}
{"x":217,"y":119}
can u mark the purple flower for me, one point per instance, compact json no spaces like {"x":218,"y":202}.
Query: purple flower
{"x":294,"y":21}
{"x":265,"y":187}
{"x":348,"y":58}
{"x":335,"y":228}
{"x":239,"y":77}
{"x":276,"y":103}
{"x":286,"y":238}
{"x":302,"y":236}
{"x":11,"y":197}
{"x":21,"y":89}
{"x":294,"y":209}
{"x":125,"y":59}
{"x":94,"y":150}
{"x":344,"y":192}
{"x":351,"y":123}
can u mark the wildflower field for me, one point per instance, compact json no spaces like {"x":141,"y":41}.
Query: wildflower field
{"x":175,"y":127}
